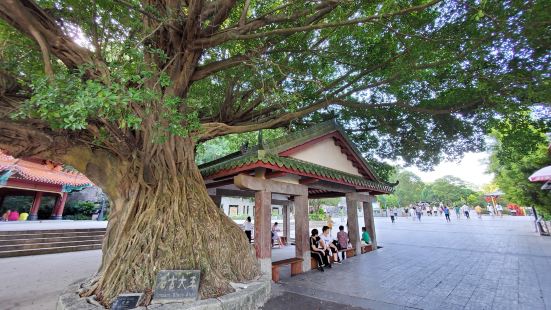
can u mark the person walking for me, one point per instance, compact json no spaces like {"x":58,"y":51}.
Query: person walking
{"x":457,"y":212}
{"x":435,"y":211}
{"x":413,"y":211}
{"x":330,"y":224}
{"x":465,"y":209}
{"x":478,"y":211}
{"x":419,"y":212}
{"x":392,"y":215}
{"x":248,"y":227}
{"x":499,"y":209}
{"x":447,"y":214}
{"x":490,"y":210}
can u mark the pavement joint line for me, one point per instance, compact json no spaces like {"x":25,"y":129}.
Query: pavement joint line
{"x":343,"y":299}
{"x":471,"y":250}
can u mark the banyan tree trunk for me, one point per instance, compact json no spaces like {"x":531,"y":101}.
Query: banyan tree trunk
{"x":163,"y":218}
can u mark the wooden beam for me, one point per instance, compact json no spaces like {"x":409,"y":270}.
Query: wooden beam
{"x":332,"y":187}
{"x":247,"y":194}
{"x":359,"y":197}
{"x":275,"y":174}
{"x":307,"y":181}
{"x":247,"y":182}
{"x":219,"y":183}
{"x":234,"y":193}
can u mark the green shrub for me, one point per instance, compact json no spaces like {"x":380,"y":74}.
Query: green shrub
{"x":318,"y":216}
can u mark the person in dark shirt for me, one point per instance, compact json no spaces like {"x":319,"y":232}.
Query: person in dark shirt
{"x":317,"y":251}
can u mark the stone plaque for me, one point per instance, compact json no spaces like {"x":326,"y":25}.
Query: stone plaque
{"x":127,"y":301}
{"x":177,"y":285}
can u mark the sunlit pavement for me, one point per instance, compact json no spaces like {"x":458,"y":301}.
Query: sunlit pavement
{"x":488,"y":263}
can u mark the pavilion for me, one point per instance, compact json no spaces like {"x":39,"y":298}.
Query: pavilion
{"x":38,"y":178}
{"x":318,"y":162}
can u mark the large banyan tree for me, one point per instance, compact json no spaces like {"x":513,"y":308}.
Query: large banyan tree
{"x":123,"y":90}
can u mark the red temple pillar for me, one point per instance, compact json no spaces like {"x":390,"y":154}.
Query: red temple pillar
{"x":33,"y":216}
{"x":57,"y":213}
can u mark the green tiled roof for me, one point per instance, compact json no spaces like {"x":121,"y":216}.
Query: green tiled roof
{"x":296,"y":165}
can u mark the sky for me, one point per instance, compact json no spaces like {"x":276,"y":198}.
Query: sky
{"x":472,"y":168}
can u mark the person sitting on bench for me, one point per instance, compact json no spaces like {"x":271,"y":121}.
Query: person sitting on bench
{"x":365,"y":236}
{"x":330,"y":247}
{"x":317,"y":251}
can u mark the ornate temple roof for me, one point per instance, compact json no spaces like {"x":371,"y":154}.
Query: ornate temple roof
{"x":277,"y":155}
{"x":40,"y":171}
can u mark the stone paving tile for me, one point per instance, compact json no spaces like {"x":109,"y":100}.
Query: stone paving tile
{"x":467,"y":264}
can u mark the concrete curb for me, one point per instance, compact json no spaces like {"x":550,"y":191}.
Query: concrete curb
{"x":247,"y":296}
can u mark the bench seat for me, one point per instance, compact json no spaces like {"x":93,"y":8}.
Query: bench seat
{"x":367,"y":248}
{"x":296,"y":267}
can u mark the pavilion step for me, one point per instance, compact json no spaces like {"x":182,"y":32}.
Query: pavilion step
{"x":14,"y":247}
{"x":51,"y":239}
{"x":9,"y":235}
{"x":49,"y":250}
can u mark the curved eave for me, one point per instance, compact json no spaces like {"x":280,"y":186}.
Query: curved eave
{"x":297,"y":168}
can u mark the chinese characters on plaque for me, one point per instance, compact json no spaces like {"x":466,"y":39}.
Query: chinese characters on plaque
{"x":126,"y":301}
{"x":177,"y":285}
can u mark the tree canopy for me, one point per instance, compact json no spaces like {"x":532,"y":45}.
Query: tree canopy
{"x":416,"y":79}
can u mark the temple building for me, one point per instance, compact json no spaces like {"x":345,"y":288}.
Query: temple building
{"x":38,"y":178}
{"x":318,"y":162}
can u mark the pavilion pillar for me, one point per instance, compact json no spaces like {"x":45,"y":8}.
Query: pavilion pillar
{"x":352,"y":216}
{"x":287,"y":223}
{"x":369,"y":220}
{"x":57,"y":213}
{"x":33,"y":214}
{"x":302,"y":244}
{"x":262,"y":230}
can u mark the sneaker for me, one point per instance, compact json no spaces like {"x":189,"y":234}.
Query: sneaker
{"x":321,"y":269}
{"x":338,"y":262}
{"x":329,"y":266}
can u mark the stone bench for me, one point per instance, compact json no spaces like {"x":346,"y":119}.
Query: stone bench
{"x":296,"y":267}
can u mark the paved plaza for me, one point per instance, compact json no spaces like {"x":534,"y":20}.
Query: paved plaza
{"x":497,"y":263}
{"x":492,"y":263}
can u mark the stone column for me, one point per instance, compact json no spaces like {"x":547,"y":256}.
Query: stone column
{"x":287,"y":223}
{"x":262,"y":230}
{"x":33,"y":214}
{"x":353,"y":229}
{"x":302,"y":245}
{"x":369,"y":221}
{"x":57,"y":214}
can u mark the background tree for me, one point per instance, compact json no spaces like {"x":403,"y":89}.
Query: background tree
{"x":123,"y":91}
{"x":521,"y":148}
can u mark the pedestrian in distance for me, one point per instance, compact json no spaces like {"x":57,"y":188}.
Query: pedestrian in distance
{"x":392,"y":215}
{"x":419,"y":212}
{"x":447,"y":214}
{"x":413,"y":212}
{"x":465,"y":209}
{"x":478,"y":211}
{"x":499,"y":210}
{"x":457,"y":212}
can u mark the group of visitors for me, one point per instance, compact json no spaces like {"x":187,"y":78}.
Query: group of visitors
{"x":14,"y":216}
{"x":325,"y":249}
{"x":416,"y":211}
